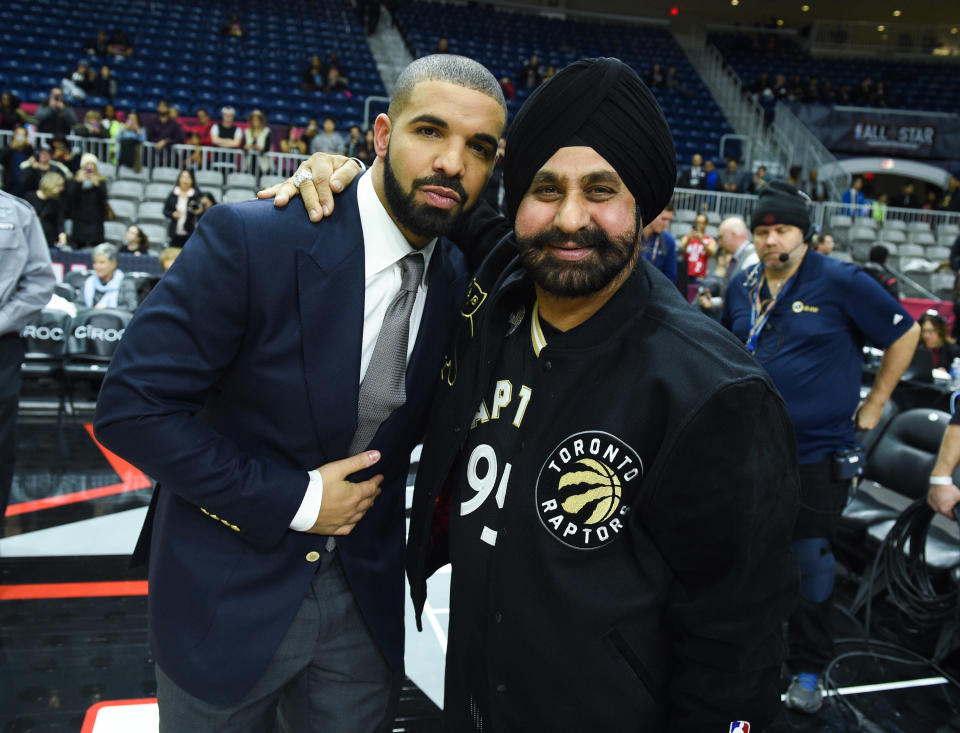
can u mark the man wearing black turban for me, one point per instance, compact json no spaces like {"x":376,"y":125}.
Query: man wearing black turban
{"x":616,"y":567}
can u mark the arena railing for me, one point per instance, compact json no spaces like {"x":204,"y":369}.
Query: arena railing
{"x":148,"y":155}
{"x":227,"y":161}
{"x":718,"y":202}
{"x":863,"y":216}
{"x":806,"y":150}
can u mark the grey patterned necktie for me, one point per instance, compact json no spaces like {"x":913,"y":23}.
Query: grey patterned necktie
{"x":384,"y":387}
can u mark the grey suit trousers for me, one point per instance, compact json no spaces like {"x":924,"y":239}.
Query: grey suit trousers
{"x":327,"y":676}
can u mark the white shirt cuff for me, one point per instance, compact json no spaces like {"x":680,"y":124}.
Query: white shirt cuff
{"x":306,"y":515}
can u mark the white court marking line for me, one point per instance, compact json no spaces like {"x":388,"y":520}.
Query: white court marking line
{"x":435,"y":624}
{"x":883,"y":686}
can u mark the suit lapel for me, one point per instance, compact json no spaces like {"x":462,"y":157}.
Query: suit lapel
{"x":330,"y":284}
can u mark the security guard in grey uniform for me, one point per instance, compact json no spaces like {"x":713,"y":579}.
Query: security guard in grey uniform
{"x":26,"y":284}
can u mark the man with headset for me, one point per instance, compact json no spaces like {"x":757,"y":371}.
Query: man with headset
{"x":805,"y":317}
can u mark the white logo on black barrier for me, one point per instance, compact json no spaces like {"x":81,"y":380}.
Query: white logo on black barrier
{"x":96,"y":333}
{"x":582,"y":488}
{"x":43,"y":333}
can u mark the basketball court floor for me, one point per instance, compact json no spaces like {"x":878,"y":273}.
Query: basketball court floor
{"x":73,"y":643}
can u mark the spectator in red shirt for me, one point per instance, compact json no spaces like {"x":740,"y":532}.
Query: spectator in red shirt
{"x":201,"y":126}
{"x":698,"y":247}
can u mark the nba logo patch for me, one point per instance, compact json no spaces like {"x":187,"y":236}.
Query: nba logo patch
{"x":739,"y":726}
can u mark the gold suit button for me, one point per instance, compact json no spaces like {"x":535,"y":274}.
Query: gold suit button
{"x":313,"y":556}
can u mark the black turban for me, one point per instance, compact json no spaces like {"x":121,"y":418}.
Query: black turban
{"x":602,"y":104}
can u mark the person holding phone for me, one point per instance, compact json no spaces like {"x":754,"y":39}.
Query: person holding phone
{"x":87,"y":203}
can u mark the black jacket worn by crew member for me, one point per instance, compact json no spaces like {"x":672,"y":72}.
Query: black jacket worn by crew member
{"x":620,"y":508}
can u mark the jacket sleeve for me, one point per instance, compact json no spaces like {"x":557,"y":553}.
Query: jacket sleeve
{"x":34,"y":286}
{"x":722,"y":514}
{"x":171,"y":358}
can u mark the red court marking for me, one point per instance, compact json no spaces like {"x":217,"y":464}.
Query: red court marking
{"x":33,"y":591}
{"x":90,"y":719}
{"x":132,"y":478}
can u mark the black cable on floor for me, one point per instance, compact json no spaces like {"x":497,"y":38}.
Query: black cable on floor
{"x":911,"y":591}
{"x":902,"y":558}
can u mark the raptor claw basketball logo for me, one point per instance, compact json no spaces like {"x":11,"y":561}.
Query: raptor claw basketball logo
{"x":582,"y":487}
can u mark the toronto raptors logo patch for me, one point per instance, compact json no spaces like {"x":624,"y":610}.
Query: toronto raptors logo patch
{"x":583,"y":486}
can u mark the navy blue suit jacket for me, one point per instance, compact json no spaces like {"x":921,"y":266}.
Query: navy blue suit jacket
{"x":238,"y":375}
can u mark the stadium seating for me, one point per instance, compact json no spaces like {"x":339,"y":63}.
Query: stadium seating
{"x":909,"y":84}
{"x":114,"y":231}
{"x":180,"y":53}
{"x":157,"y":191}
{"x":151,"y":212}
{"x":498,"y":41}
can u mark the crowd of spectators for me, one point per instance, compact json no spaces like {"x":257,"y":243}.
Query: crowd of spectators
{"x":703,"y":174}
{"x":325,"y":76}
{"x":669,"y":79}
{"x":858,"y":203}
{"x":812,"y":90}
{"x":116,"y":44}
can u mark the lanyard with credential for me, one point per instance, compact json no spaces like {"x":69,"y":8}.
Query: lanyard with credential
{"x":656,"y":248}
{"x":760,"y":311}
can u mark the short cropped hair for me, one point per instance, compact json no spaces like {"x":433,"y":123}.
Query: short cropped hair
{"x":735,"y":225}
{"x":457,"y":70}
{"x":110,"y":251}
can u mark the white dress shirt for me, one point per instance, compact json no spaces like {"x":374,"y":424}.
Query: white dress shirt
{"x":383,"y":248}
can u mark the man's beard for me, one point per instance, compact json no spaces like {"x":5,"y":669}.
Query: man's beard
{"x":571,"y":279}
{"x":422,"y":219}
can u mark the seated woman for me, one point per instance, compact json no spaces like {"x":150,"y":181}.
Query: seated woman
{"x":135,"y":242}
{"x":934,"y":338}
{"x":182,"y":207}
{"x":103,"y":288}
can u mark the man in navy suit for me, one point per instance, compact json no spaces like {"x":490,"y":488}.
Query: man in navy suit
{"x":240,"y":375}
